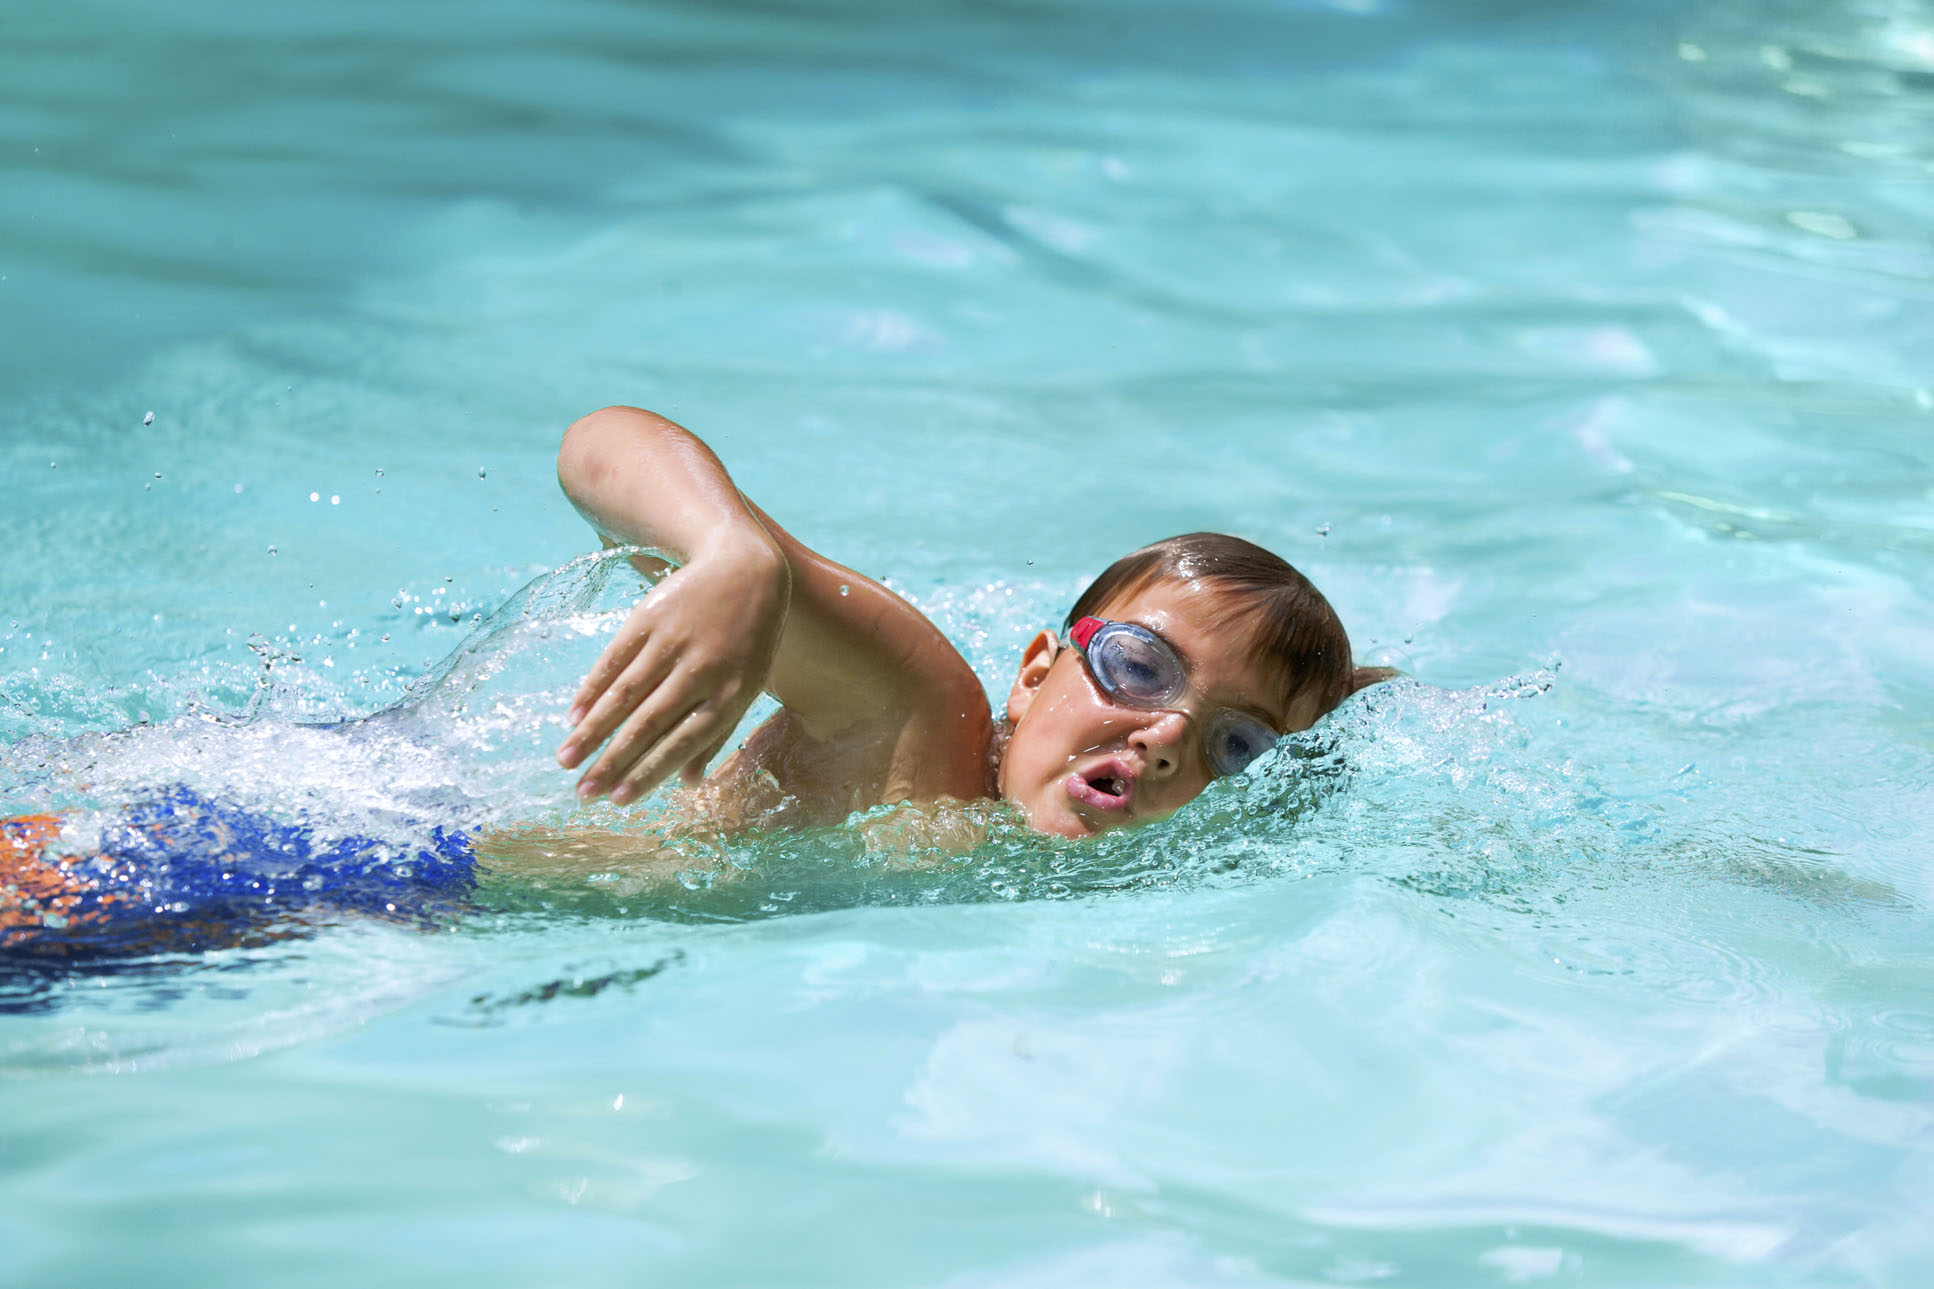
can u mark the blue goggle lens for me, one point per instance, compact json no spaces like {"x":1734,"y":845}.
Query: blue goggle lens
{"x":1137,"y":666}
{"x":1234,"y":740}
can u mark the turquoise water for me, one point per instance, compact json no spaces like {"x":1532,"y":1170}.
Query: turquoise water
{"x":1582,"y":358}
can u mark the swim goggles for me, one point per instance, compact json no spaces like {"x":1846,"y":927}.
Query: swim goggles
{"x":1135,"y":666}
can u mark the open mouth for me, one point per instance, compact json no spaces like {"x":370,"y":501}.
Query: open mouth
{"x":1107,"y":786}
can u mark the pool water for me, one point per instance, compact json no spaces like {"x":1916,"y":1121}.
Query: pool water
{"x":1579,"y":353}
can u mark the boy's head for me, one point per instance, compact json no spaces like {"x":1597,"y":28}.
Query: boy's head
{"x":1180,"y":662}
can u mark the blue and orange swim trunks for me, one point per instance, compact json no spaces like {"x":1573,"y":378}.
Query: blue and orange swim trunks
{"x":180,"y":873}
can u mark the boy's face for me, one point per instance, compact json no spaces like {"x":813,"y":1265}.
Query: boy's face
{"x":1079,"y":762}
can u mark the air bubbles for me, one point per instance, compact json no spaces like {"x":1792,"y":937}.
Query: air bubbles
{"x":148,"y":419}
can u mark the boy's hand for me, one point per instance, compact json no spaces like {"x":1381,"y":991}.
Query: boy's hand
{"x":674,"y":682}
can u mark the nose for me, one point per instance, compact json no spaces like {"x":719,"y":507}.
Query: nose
{"x":1159,"y":740}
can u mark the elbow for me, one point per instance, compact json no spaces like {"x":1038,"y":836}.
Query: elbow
{"x":584,"y":454}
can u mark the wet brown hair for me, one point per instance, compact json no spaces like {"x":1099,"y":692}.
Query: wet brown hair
{"x":1293,"y":627}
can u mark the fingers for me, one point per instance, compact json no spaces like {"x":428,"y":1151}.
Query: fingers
{"x":620,"y":700}
{"x":633,"y":740}
{"x":693,"y":772}
{"x":677,"y":746}
{"x":670,"y":687}
{"x":611,"y":664}
{"x":681,"y":714}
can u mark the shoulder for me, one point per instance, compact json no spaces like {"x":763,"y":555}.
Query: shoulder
{"x":921,"y":751}
{"x":942,"y":748}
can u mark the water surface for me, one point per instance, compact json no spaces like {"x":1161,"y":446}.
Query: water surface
{"x":1581,"y":358}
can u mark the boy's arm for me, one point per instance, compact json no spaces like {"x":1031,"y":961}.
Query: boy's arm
{"x":749,"y":608}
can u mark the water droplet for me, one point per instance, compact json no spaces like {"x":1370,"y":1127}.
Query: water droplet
{"x":238,"y":489}
{"x":148,"y":419}
{"x":53,"y":465}
{"x":335,"y":500}
{"x":271,"y":550}
{"x":480,"y":472}
{"x":845,"y":589}
{"x":315,"y":496}
{"x":1322,"y":530}
{"x":379,"y":472}
{"x":157,"y":474}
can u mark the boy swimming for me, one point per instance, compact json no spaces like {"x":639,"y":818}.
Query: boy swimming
{"x":1183,"y":662}
{"x":1180,"y":664}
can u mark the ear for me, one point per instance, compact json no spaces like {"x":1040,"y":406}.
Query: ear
{"x":1034,"y":669}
